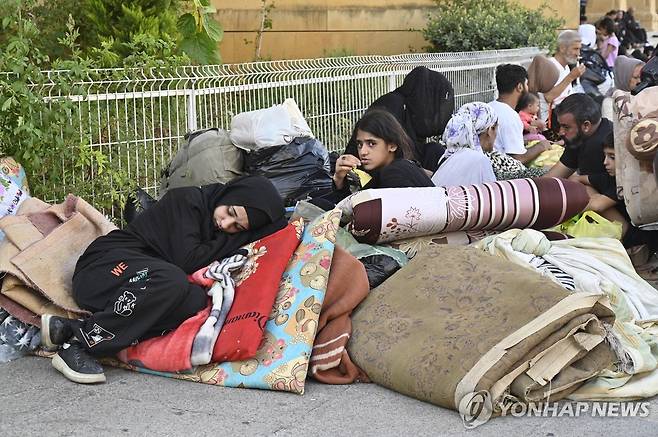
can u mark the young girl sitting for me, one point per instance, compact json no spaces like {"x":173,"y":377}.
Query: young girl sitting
{"x":385,"y":154}
{"x":609,"y":46}
{"x":528,"y":108}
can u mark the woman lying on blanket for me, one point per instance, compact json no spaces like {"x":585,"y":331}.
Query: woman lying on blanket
{"x":385,"y":156}
{"x":134,"y":281}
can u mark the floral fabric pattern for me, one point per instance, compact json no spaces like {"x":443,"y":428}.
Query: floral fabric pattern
{"x":444,"y":322}
{"x":635,"y":178}
{"x":391,"y":214}
{"x":13,"y":187}
{"x":281,"y":362}
{"x":464,"y":128}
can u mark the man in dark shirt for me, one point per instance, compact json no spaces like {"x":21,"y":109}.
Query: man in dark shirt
{"x":584,"y":132}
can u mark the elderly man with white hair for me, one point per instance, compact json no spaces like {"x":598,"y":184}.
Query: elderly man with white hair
{"x":568,"y":51}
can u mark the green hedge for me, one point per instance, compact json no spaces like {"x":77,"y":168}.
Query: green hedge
{"x":470,"y":25}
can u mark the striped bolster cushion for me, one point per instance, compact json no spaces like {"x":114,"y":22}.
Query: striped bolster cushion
{"x":392,"y":214}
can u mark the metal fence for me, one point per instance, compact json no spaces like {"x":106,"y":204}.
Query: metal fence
{"x":137,"y":117}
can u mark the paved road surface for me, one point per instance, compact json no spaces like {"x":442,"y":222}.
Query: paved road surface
{"x":37,"y":401}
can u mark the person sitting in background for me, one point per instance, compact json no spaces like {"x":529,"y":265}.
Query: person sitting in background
{"x":602,"y":189}
{"x":627,"y":73}
{"x":635,"y":35}
{"x":528,"y":108}
{"x":584,"y":132}
{"x":568,"y":51}
{"x":470,"y":131}
{"x":609,"y":47}
{"x":587,"y":33}
{"x":627,"y":76}
{"x":422,"y":105}
{"x":385,"y":154}
{"x":512,"y":84}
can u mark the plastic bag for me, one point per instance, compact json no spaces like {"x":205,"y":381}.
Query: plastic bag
{"x":379,"y":268}
{"x":11,"y":197}
{"x":205,"y":157}
{"x":136,"y":203}
{"x":269,"y":127}
{"x":548,"y":158}
{"x":591,"y":224}
{"x":297,"y":170}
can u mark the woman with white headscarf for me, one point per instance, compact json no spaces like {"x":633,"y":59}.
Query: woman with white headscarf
{"x":470,"y":131}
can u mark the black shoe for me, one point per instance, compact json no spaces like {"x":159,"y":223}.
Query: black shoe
{"x":56,"y":331}
{"x":75,"y":363}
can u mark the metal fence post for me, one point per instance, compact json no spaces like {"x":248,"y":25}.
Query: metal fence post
{"x":391,"y":82}
{"x":191,"y":109}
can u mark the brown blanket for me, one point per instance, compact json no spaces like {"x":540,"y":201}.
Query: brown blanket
{"x":38,"y":256}
{"x":348,"y":286}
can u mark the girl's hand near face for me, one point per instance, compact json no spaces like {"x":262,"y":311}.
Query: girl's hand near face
{"x":344,"y":164}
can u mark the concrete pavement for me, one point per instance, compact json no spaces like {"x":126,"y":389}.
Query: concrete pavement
{"x":38,"y":401}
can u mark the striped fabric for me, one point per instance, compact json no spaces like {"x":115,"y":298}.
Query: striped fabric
{"x":546,"y":268}
{"x":397,"y":213}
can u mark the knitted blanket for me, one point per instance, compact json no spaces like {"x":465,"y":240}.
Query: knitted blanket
{"x":348,"y":286}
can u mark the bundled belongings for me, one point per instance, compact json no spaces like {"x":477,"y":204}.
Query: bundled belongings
{"x":597,"y":72}
{"x":398,"y":213}
{"x":16,"y":338}
{"x":597,"y":265}
{"x":205,"y":157}
{"x":456,"y":322}
{"x":636,"y":143}
{"x":274,"y":126}
{"x":38,"y":256}
{"x":347,"y":287}
{"x":423,"y":104}
{"x":137,"y":203}
{"x":297,"y":170}
{"x":13,"y":187}
{"x":281,"y":147}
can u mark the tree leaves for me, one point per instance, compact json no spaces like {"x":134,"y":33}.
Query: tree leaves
{"x":201,"y":48}
{"x":200,"y":34}
{"x":186,"y":24}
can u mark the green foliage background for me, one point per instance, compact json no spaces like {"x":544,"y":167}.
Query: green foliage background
{"x":112,"y":30}
{"x":470,"y":25}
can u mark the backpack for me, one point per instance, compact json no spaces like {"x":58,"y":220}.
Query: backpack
{"x":206,"y":156}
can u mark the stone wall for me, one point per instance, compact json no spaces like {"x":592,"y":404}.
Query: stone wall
{"x":317,"y":28}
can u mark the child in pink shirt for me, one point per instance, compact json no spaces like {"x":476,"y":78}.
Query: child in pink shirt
{"x":528,"y":109}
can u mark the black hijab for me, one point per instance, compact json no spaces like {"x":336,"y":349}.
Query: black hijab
{"x":423,"y":104}
{"x":180,"y":227}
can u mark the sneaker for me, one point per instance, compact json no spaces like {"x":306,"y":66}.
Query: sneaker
{"x":56,"y":331}
{"x":75,"y":363}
